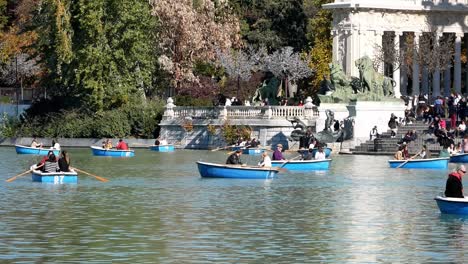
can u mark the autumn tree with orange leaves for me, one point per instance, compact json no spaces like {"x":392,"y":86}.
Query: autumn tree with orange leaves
{"x":192,"y":31}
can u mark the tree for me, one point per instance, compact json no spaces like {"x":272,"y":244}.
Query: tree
{"x":272,"y":23}
{"x":288,"y":66}
{"x":190,"y":32}
{"x":100,"y":52}
{"x":238,"y":65}
{"x":318,"y":34}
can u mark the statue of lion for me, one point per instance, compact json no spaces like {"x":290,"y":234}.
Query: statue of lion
{"x":374,"y":81}
{"x":268,"y":90}
{"x":340,"y":80}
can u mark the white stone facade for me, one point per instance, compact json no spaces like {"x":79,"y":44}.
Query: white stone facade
{"x":358,"y":26}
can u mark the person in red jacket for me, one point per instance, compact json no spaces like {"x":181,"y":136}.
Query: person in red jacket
{"x":454,"y":186}
{"x":122,"y":145}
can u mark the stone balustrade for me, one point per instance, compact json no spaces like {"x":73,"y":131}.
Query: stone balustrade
{"x":240,"y":112}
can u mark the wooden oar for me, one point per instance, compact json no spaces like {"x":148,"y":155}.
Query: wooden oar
{"x":401,"y":165}
{"x":216,"y":149}
{"x":19,"y":175}
{"x":286,"y":162}
{"x":90,"y":174}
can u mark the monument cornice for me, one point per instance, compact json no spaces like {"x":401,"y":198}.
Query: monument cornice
{"x":396,"y":6}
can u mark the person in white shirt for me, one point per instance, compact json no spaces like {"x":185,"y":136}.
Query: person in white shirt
{"x":374,"y":133}
{"x":163,"y":142}
{"x":320,"y":155}
{"x":55,"y":145}
{"x":461,"y":129}
{"x":266,"y":161}
{"x":228,"y":102}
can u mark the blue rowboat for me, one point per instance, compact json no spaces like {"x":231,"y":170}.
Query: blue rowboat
{"x":98,"y":151}
{"x":459,"y":158}
{"x":234,"y":148}
{"x":303,"y":165}
{"x":35,"y":151}
{"x":252,"y":151}
{"x":436,"y":163}
{"x":213,"y":170}
{"x":449,"y":205}
{"x":162,"y":148}
{"x":54,"y":177}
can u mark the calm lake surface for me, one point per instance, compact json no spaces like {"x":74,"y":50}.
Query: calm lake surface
{"x":157,"y":209}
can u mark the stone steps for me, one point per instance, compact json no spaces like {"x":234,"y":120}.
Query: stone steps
{"x":388,"y":145}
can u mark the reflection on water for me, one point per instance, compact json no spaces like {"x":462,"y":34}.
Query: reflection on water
{"x":157,"y":209}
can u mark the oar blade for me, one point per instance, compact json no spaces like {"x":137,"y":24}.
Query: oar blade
{"x":19,"y":175}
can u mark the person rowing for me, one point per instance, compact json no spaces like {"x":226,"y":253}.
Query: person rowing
{"x":454,"y":186}
{"x":234,"y":158}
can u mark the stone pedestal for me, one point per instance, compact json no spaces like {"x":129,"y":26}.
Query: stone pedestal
{"x":369,"y":114}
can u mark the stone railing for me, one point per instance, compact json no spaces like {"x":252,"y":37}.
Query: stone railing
{"x":308,"y":111}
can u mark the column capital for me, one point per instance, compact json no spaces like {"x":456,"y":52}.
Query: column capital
{"x":459,"y":35}
{"x":398,"y":33}
{"x":379,"y":32}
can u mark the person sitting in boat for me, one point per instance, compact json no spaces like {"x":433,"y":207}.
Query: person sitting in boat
{"x":157,"y":142}
{"x":277,"y":154}
{"x":320,"y":154}
{"x":266,"y":161}
{"x":64,"y":161}
{"x":44,"y":159}
{"x":163,"y":142}
{"x":55,"y":145}
{"x":35,"y":144}
{"x":307,"y":155}
{"x":51,"y":164}
{"x":253,"y":143}
{"x":122,"y":145}
{"x":234,"y":158}
{"x":424,"y":153}
{"x":399,"y":154}
{"x":107,"y":144}
{"x":454,"y":186}
{"x":241,"y":142}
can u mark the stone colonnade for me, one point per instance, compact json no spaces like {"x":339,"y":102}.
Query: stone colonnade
{"x":359,"y":26}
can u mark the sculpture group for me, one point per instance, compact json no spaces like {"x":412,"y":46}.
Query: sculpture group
{"x":371,"y":85}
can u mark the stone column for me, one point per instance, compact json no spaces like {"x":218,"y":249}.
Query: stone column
{"x":336,"y":40}
{"x":403,"y":67}
{"x":378,"y":35}
{"x":416,"y":64}
{"x":447,"y":80}
{"x":466,"y":67}
{"x":348,"y":51}
{"x":457,"y":62}
{"x":396,"y":73}
{"x":436,"y":73}
{"x":425,"y":80}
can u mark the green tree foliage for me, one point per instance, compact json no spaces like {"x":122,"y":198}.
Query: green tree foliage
{"x":136,"y":120}
{"x":272,"y":23}
{"x":318,"y":35}
{"x":3,"y":14}
{"x":53,"y":24}
{"x":101,"y":52}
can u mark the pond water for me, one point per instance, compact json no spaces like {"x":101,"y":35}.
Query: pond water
{"x":157,"y":209}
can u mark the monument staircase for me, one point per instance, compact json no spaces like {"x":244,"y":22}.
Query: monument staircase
{"x":387,"y":145}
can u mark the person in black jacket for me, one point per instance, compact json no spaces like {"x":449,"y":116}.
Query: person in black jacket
{"x":454,"y":186}
{"x":234,"y":158}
